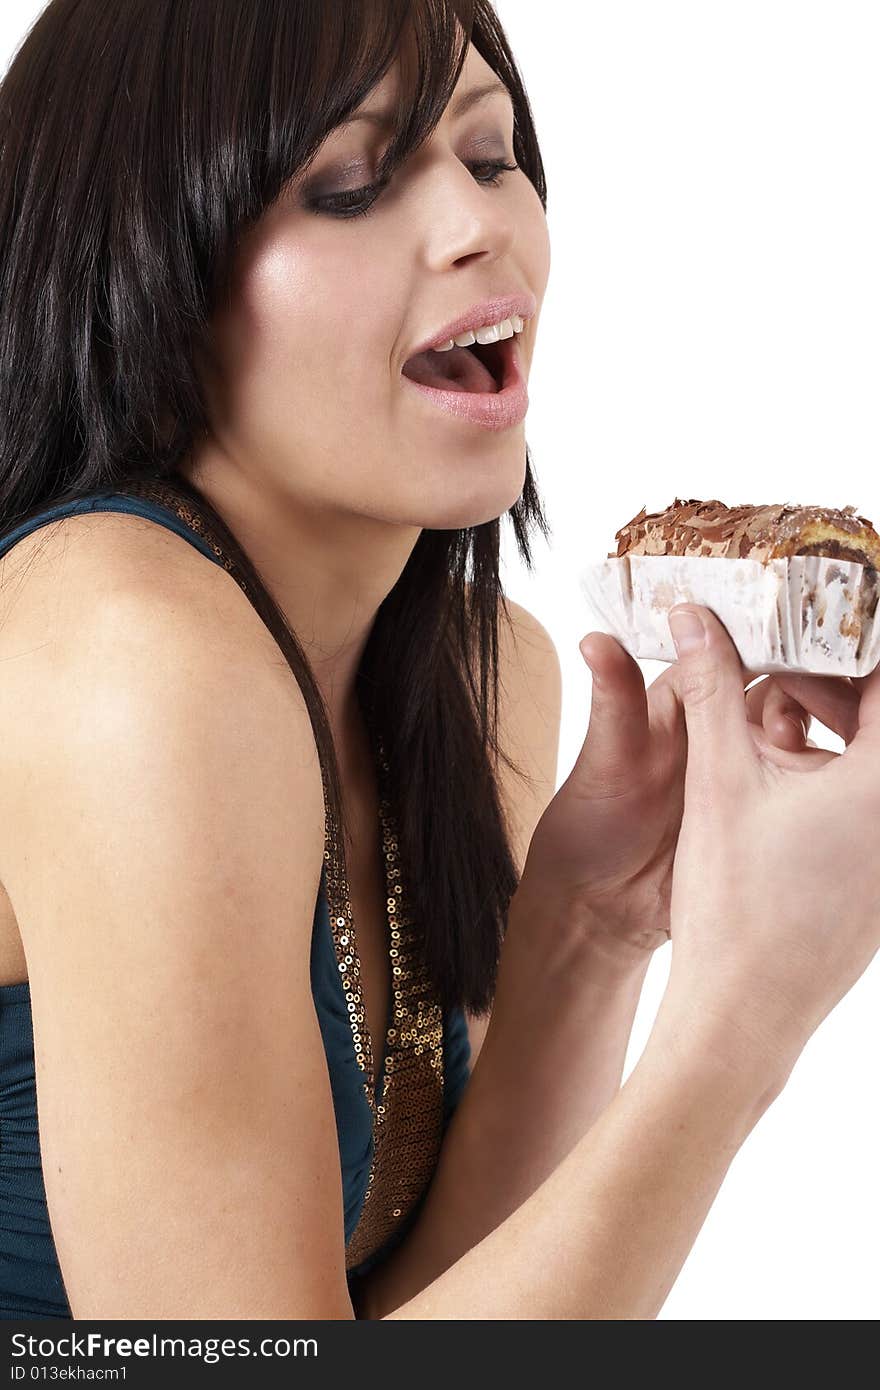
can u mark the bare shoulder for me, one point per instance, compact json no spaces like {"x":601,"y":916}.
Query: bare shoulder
{"x":114,"y":578}
{"x":529,"y":659}
{"x":85,"y":538}
{"x":112,"y":626}
{"x":162,"y":846}
{"x":529,"y":713}
{"x":68,"y":570}
{"x":529,"y":670}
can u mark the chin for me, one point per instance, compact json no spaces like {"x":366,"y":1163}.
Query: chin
{"x":469,"y":497}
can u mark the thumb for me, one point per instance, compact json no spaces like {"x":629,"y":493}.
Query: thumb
{"x":618,"y":735}
{"x":709,"y":684}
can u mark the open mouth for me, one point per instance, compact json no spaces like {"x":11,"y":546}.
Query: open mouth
{"x":481,"y":368}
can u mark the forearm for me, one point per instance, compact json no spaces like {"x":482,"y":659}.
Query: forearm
{"x":551,"y":1061}
{"x":605,"y":1235}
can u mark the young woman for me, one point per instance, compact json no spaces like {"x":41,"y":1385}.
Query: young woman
{"x":278,"y":841}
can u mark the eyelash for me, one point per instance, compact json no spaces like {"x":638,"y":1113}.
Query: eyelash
{"x":352,"y":203}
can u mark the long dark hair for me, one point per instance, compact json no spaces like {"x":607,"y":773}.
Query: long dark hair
{"x":139,"y":140}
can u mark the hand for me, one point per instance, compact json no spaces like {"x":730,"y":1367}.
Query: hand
{"x":606,"y":843}
{"x":776,"y":884}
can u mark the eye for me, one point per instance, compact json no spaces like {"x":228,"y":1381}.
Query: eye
{"x":354,"y":202}
{"x":357,"y":202}
{"x":497,"y":168}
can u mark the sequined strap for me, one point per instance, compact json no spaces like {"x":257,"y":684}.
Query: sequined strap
{"x":408,"y":1114}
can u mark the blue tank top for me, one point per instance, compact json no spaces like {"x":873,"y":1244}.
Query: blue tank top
{"x":373,"y":1160}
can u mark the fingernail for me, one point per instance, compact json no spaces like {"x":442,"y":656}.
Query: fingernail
{"x":688,"y":632}
{"x":588,"y":663}
{"x":797,"y":722}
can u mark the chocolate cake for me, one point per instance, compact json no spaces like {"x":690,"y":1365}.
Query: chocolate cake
{"x":760,"y":533}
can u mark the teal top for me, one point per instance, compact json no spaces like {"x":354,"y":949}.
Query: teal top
{"x":31,"y":1283}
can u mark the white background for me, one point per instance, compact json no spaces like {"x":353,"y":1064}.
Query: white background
{"x":712,"y":329}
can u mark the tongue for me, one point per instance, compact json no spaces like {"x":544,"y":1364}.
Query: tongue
{"x":459,"y":369}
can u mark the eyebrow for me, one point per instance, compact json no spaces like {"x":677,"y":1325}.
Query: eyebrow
{"x":470,"y":98}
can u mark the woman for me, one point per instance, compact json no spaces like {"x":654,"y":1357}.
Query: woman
{"x":200,"y":937}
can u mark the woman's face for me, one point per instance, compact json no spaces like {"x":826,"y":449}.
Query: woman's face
{"x":305,"y":391}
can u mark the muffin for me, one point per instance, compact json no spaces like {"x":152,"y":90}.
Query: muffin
{"x":795,"y":586}
{"x":758,"y":533}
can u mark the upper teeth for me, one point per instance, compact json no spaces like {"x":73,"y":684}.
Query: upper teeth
{"x":486,"y":333}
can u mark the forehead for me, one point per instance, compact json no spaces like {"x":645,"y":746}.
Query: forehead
{"x":475,"y":72}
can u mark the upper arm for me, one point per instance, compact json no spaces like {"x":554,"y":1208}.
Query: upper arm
{"x":529,"y":713}
{"x":164,"y":872}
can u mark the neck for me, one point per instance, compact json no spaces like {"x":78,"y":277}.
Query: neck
{"x":328,"y":570}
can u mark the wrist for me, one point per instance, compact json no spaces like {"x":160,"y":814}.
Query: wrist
{"x":567,"y":937}
{"x":558,"y":1035}
{"x":715,"y":1051}
{"x":564,"y":1003}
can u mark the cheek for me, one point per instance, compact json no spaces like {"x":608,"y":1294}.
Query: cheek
{"x":533,"y":238}
{"x":322,"y":303}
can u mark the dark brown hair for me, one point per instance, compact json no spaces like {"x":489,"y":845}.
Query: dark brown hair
{"x":139,"y":140}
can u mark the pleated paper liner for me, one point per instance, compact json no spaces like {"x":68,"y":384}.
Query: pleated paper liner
{"x":806,"y":613}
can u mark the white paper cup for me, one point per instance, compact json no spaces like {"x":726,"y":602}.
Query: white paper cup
{"x":806,"y":613}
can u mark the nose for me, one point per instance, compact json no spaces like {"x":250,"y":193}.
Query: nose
{"x":466,"y":222}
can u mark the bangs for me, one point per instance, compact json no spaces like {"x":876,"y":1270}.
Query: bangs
{"x":290,"y":94}
{"x":354,"y":47}
{"x":271,"y":80}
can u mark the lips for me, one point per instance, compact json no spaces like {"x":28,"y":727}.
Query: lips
{"x":492,"y":310}
{"x":500,"y":409}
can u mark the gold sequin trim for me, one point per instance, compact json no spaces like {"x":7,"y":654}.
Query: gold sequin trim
{"x":407,"y":1117}
{"x":408,"y":1114}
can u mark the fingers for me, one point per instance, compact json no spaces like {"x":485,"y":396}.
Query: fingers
{"x":663,"y":686}
{"x":833,"y":700}
{"x":807,"y":758}
{"x":785,"y":722}
{"x":618,"y":733}
{"x":709,"y":684}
